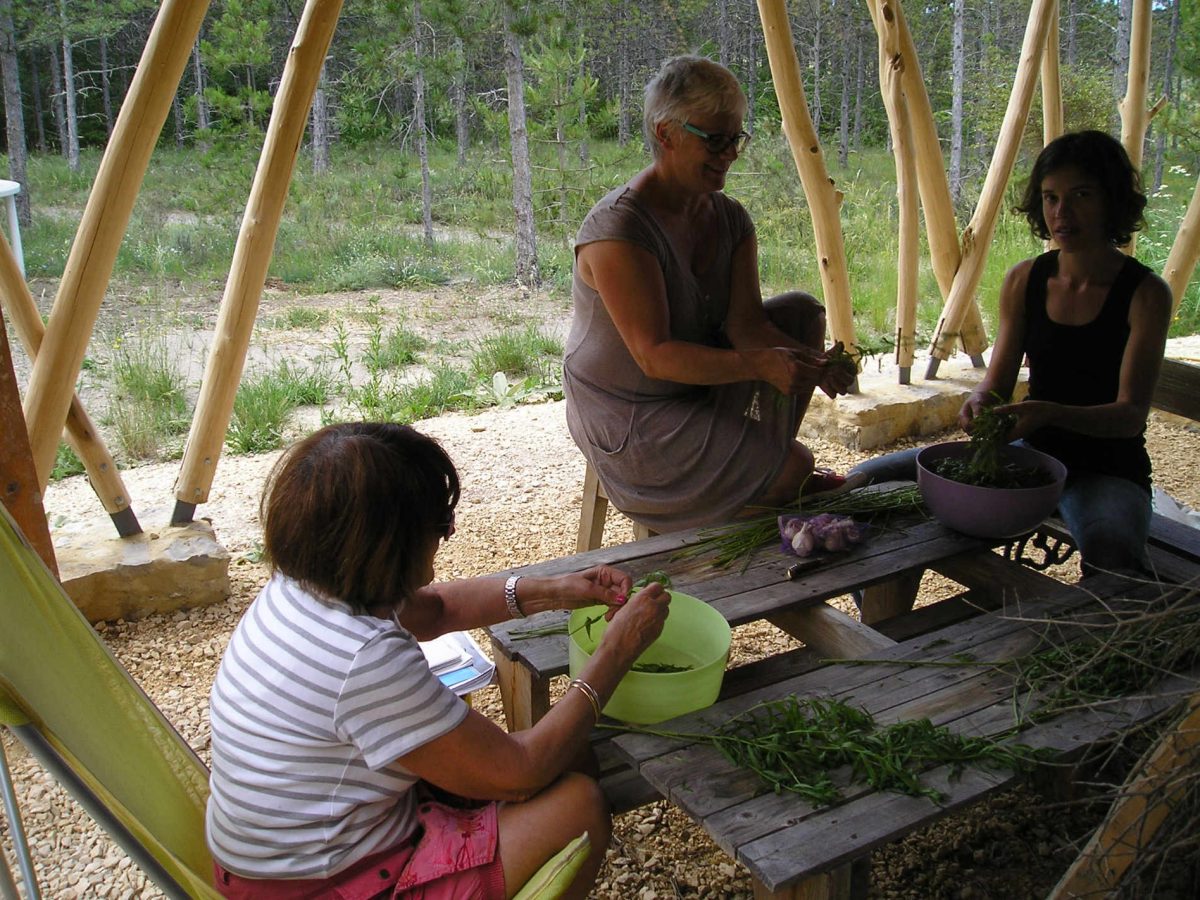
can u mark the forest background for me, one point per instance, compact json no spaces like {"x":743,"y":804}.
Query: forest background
{"x":454,"y":142}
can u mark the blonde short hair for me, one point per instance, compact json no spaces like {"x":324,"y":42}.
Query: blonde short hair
{"x":687,"y":86}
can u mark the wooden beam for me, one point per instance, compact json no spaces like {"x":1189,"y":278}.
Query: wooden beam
{"x":1052,"y":106}
{"x":892,"y":63}
{"x":830,"y":631}
{"x":102,"y":227}
{"x":977,"y":235}
{"x":19,"y":490}
{"x":1137,"y":814}
{"x":941,"y":229}
{"x":1185,"y":251}
{"x":1135,"y":116}
{"x":252,"y":255}
{"x":824,"y":200}
{"x":82,"y":435}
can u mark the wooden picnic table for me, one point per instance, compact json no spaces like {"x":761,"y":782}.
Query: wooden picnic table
{"x":790,"y":848}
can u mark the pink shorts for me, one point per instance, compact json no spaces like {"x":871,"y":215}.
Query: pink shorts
{"x":451,"y":856}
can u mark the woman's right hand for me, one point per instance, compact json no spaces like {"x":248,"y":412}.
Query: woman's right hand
{"x":637,"y":624}
{"x":790,"y":371}
{"x":975,"y":403}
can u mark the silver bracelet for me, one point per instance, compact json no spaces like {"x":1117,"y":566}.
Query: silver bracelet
{"x":510,"y":597}
{"x":588,"y":691}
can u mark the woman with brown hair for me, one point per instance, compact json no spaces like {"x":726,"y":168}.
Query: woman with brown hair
{"x":329,"y":729}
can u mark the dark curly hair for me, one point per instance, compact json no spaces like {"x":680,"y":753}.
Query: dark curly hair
{"x":349,"y":511}
{"x":1102,"y":157}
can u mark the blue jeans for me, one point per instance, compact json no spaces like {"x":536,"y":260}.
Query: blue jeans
{"x":1109,"y":520}
{"x":1108,"y":517}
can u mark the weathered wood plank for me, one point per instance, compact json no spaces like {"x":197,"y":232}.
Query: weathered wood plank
{"x":830,"y":631}
{"x":1178,"y":389}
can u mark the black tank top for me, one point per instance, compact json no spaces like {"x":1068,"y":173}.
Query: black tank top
{"x":1080,"y":365}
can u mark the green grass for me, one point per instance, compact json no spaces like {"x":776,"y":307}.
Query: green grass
{"x":518,"y":353}
{"x":149,"y":409}
{"x":265,"y":401}
{"x":359,"y":226}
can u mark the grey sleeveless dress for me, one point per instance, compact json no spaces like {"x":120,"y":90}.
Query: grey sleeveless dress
{"x":670,"y":455}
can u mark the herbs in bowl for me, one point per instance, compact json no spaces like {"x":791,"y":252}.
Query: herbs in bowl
{"x":987,"y":487}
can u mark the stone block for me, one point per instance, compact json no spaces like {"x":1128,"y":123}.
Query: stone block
{"x":884,"y":410}
{"x":161,"y":570}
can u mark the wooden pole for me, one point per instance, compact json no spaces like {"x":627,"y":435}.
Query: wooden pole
{"x":20,"y":493}
{"x":1052,"y":106}
{"x":824,"y":200}
{"x":82,"y":435}
{"x":102,"y":228}
{"x":941,"y":230}
{"x":1135,"y":116}
{"x":891,"y":78}
{"x":978,"y":234}
{"x":252,"y":255}
{"x":1137,"y":814}
{"x":1185,"y":251}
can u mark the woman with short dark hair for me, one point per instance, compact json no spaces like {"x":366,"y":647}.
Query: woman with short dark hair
{"x":1093,"y":323}
{"x":684,"y":389}
{"x":330,"y":734}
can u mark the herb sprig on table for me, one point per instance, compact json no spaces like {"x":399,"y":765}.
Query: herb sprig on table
{"x":731,"y":543}
{"x":795,"y":744}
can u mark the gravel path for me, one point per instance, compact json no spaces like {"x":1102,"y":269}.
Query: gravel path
{"x":522,"y":478}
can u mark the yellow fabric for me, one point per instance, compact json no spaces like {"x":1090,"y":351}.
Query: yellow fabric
{"x":56,"y":671}
{"x":556,"y":875}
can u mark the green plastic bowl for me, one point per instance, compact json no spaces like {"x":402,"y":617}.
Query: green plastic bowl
{"x":695,"y":635}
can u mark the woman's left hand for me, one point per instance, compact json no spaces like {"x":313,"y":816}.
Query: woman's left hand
{"x":1031,"y":415}
{"x":600,"y":584}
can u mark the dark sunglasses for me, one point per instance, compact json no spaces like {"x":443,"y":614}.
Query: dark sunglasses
{"x":445,"y":529}
{"x":719,"y":143}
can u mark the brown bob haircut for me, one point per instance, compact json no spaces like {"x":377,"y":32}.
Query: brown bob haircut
{"x":349,"y":511}
{"x":1101,"y":157}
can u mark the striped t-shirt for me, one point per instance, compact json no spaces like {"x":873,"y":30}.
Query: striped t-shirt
{"x":311,"y":707}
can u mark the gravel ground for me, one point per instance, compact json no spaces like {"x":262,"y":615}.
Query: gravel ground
{"x":518,"y":507}
{"x":522,"y":479}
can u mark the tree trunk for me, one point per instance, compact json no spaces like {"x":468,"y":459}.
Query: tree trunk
{"x":419,"y":120}
{"x":751,"y":75}
{"x":14,"y":115}
{"x":458,"y":96}
{"x":68,"y":57}
{"x":623,"y":77}
{"x":202,"y":120}
{"x":958,"y":68}
{"x":1121,"y":48}
{"x":1071,"y":50}
{"x":860,"y":76}
{"x":106,"y":88}
{"x":177,"y":117}
{"x":39,"y":112}
{"x":320,"y":126}
{"x":57,"y":103}
{"x":844,"y":123}
{"x":723,"y":32}
{"x":518,"y":136}
{"x":1160,"y":134}
{"x":816,"y":68}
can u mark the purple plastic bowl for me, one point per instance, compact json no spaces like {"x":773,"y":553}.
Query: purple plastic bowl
{"x":989,"y":512}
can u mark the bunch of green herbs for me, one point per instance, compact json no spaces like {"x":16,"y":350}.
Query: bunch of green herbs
{"x":986,"y":463}
{"x":796,"y":744}
{"x":733,"y":543}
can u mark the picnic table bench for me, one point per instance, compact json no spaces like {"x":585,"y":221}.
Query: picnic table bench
{"x":789,"y":848}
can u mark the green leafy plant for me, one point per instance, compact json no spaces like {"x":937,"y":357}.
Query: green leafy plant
{"x":986,"y":463}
